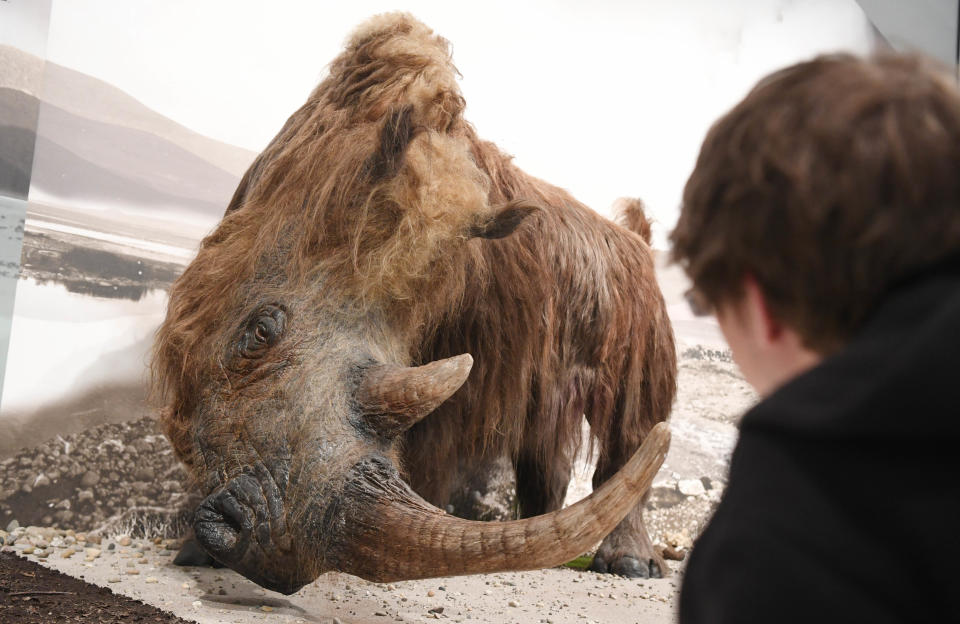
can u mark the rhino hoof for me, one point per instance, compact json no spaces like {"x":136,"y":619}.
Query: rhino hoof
{"x":627,"y":566}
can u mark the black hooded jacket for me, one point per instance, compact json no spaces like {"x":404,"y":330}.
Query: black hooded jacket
{"x":843,"y":501}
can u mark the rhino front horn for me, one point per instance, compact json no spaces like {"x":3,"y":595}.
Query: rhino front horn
{"x":388,"y":533}
{"x":393,"y":398}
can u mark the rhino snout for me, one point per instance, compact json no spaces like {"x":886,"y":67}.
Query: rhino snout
{"x":242,"y":526}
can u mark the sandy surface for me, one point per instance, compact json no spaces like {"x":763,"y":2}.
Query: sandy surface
{"x":711,"y":398}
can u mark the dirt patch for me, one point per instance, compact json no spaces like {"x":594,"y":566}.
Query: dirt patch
{"x":31,"y":593}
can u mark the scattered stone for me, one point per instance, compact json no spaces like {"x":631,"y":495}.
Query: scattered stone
{"x":68,"y":553}
{"x":124,"y":540}
{"x":436,"y":610}
{"x":671,"y":553}
{"x":133,"y":571}
{"x":90,"y":478}
{"x":13,"y":525}
{"x":513,"y":603}
{"x":266,"y":608}
{"x":691,"y":487}
{"x":431,"y":593}
{"x":113,"y":579}
{"x":93,"y":553}
{"x":678,"y":539}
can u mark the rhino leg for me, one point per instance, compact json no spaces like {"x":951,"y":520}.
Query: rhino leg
{"x":627,"y":550}
{"x":541,"y":488}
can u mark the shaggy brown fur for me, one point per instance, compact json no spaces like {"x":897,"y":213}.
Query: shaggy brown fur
{"x":376,"y":186}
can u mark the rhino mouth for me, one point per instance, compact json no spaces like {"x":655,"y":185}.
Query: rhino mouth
{"x":242,"y":525}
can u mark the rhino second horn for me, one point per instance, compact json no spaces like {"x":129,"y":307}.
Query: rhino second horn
{"x":393,"y":398}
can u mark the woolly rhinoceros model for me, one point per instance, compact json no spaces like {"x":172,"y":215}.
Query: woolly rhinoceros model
{"x":388,"y":305}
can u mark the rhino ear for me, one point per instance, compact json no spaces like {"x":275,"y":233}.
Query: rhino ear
{"x":507,"y":219}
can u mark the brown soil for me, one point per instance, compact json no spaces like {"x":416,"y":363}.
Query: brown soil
{"x":31,"y":593}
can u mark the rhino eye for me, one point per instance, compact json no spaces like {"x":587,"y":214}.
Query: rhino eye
{"x":262,"y":331}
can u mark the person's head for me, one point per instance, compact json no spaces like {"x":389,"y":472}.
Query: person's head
{"x":832,"y":181}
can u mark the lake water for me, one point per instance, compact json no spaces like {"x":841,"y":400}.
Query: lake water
{"x":64,"y":343}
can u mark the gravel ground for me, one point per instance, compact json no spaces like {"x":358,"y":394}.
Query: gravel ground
{"x":110,"y":477}
{"x":141,"y":569}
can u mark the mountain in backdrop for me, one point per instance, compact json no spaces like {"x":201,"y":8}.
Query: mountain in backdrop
{"x":97,"y":143}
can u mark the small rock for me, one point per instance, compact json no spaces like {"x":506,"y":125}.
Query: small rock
{"x":133,"y":571}
{"x":436,"y":610}
{"x":90,"y":478}
{"x":151,"y":579}
{"x":124,"y":540}
{"x":266,"y":608}
{"x":68,"y":553}
{"x":691,"y":487}
{"x":671,"y":553}
{"x":41,"y":481}
{"x":113,"y":579}
{"x":93,"y":553}
{"x":431,"y":593}
{"x":196,"y":604}
{"x":680,"y":539}
{"x":513,"y":603}
{"x":12,"y":526}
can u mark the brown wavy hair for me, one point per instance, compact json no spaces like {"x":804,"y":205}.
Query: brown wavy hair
{"x":832,"y":181}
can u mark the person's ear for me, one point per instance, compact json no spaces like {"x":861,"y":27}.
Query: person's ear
{"x":767,"y":328}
